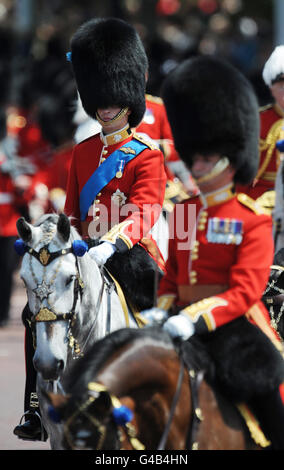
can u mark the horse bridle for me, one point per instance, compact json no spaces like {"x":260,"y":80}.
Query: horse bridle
{"x":45,"y":257}
{"x":277,"y":299}
{"x":94,"y":388}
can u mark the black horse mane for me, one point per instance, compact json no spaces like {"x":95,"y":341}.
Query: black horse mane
{"x":86,"y":368}
{"x":279,"y":258}
{"x":194,"y":354}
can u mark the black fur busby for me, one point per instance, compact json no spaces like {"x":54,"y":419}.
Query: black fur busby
{"x":110,"y":66}
{"x":212,"y":108}
{"x":247,"y":364}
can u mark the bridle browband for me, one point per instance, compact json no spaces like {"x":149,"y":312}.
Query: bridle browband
{"x":45,"y":257}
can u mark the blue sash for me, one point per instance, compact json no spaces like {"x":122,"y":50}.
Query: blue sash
{"x":106,"y":172}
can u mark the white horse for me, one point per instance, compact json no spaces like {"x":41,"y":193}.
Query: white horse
{"x":72,"y":303}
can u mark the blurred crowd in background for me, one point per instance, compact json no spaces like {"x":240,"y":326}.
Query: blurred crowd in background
{"x":38,"y":101}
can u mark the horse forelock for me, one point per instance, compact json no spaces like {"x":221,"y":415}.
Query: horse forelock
{"x":48,"y":224}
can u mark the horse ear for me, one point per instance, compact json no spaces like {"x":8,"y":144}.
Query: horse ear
{"x":24,"y":229}
{"x":103,"y":401}
{"x":63,"y":227}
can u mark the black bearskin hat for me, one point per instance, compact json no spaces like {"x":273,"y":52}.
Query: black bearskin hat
{"x":212,"y":108}
{"x":110,"y":66}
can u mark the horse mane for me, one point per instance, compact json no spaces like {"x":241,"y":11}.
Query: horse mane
{"x":87,"y":367}
{"x":85,"y":370}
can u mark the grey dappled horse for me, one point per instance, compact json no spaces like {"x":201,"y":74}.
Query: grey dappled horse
{"x":72,"y":303}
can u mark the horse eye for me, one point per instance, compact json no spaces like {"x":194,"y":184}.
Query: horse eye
{"x":24,"y":281}
{"x":69,"y":280}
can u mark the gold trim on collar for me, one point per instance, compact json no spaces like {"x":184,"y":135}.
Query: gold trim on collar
{"x":219,"y":196}
{"x":116,"y":137}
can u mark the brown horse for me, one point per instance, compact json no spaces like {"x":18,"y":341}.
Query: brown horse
{"x":132,"y":390}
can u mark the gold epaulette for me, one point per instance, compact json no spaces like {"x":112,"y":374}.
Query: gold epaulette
{"x":117,"y":231}
{"x":264,"y":108}
{"x":175,"y":193}
{"x":250,"y":203}
{"x":154,"y":99}
{"x":267,"y":201}
{"x":149,"y":143}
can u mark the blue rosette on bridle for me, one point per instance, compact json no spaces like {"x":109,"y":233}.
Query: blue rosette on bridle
{"x":280,"y":145}
{"x":20,"y":247}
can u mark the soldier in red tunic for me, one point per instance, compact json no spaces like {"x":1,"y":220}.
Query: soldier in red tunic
{"x":116,"y":183}
{"x":271,"y":130}
{"x":215,"y":277}
{"x":117,"y":194}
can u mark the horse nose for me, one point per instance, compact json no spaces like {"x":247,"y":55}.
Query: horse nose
{"x":50,"y":370}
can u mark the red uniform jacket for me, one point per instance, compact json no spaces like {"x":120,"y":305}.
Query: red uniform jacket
{"x":271,"y":130}
{"x":10,"y":201}
{"x":124,"y":204}
{"x":224,"y":272}
{"x":156,"y":125}
{"x":55,"y":178}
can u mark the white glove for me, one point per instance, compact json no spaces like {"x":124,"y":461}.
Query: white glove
{"x":101,"y":253}
{"x":179,"y":326}
{"x":154,"y":315}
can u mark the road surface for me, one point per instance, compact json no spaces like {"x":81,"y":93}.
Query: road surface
{"x":12,"y":375}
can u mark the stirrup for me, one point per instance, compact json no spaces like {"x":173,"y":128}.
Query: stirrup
{"x":42,"y":430}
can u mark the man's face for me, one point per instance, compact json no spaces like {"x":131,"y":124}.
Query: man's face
{"x":202,"y":165}
{"x":277,"y":91}
{"x":107,"y":114}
